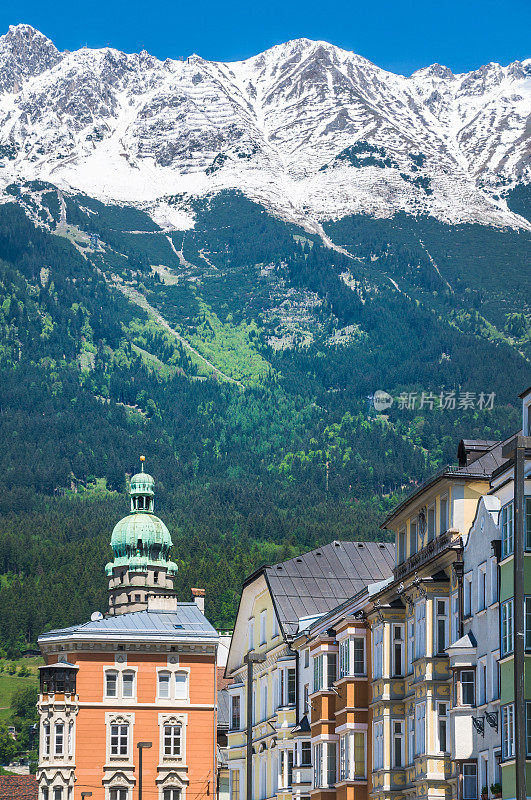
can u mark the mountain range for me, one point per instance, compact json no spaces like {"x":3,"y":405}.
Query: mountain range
{"x":310,"y":131}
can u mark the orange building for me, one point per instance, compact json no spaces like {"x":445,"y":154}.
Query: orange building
{"x":145,"y":676}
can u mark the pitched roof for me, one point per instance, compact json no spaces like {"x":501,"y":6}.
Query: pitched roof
{"x":186,"y":622}
{"x":18,"y":787}
{"x":482,"y":468}
{"x":318,"y":581}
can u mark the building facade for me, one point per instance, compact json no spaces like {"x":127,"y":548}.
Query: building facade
{"x":414,"y":619}
{"x":270,"y":735}
{"x":137,"y":686}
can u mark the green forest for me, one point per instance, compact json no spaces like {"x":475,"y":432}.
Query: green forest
{"x":239,"y":357}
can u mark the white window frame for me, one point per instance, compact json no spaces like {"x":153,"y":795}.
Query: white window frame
{"x":347,"y":659}
{"x":494,"y":676}
{"x":481,"y":602}
{"x":481,"y":681}
{"x":119,"y":718}
{"x":438,"y":617}
{"x":507,"y":529}
{"x":420,"y":728}
{"x":398,"y":729}
{"x":410,"y":626}
{"x":164,"y":721}
{"x":118,"y":671}
{"x":378,"y":745}
{"x":250,"y":634}
{"x":263,"y":626}
{"x":507,"y":626}
{"x":420,"y":628}
{"x":467,"y":594}
{"x":454,"y":611}
{"x":377,"y":651}
{"x":442,"y":718}
{"x":508,"y":732}
{"x":398,"y":646}
{"x":59,"y":729}
{"x":444,"y":513}
{"x":173,"y":670}
{"x":493,"y":580}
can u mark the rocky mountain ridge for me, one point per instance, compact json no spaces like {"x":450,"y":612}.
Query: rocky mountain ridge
{"x":310,"y":131}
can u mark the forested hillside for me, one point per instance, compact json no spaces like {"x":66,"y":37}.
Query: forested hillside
{"x":238,"y":356}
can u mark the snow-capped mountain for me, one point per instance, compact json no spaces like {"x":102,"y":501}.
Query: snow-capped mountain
{"x":311,"y":131}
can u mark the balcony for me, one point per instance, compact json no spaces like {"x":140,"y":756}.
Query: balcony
{"x":445,"y":541}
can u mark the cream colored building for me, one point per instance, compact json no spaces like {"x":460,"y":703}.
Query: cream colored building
{"x":271,"y":680}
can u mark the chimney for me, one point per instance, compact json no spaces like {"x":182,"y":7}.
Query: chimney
{"x":198,"y":596}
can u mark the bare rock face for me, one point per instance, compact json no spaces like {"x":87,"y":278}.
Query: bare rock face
{"x":24,"y":54}
{"x":307,"y":129}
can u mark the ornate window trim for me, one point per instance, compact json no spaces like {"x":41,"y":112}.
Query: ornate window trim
{"x":119,"y":718}
{"x":172,"y":762}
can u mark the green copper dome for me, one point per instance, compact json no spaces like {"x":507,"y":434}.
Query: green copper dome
{"x":141,"y":540}
{"x":140,"y":526}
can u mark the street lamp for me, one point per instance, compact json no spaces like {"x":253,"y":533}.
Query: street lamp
{"x":141,"y":746}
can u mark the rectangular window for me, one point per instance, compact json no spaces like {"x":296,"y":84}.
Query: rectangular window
{"x":527,"y":520}
{"x":318,"y":765}
{"x":467,"y":687}
{"x":495,"y":678}
{"x":482,"y":587}
{"x":378,"y":746}
{"x":431,"y":523}
{"x":508,"y":736}
{"x":119,"y":740}
{"x":275,"y":626}
{"x":455,"y":617}
{"x":172,"y":740}
{"x":420,"y":729}
{"x":44,"y":793}
{"x":343,"y":757}
{"x":164,"y":685}
{"x":398,"y":651}
{"x":359,"y":755}
{"x":398,"y":744}
{"x":235,"y":713}
{"x":59,"y":741}
{"x":443,"y":514}
{"x":527,"y":622}
{"x":307,"y":658}
{"x":467,"y":590}
{"x":377,"y":655}
{"x":344,"y":657}
{"x":420,"y":624}
{"x":358,"y":647}
{"x":306,"y":754}
{"x":306,"y":698}
{"x":507,"y":627}
{"x":128,"y":684}
{"x":441,"y":626}
{"x":470,"y":781}
{"x":410,"y":644}
{"x":291,"y":684}
{"x":235,"y":784}
{"x":493,"y":580}
{"x":482,"y":682}
{"x":119,"y":794}
{"x":263,"y":698}
{"x":181,"y":685}
{"x":250,"y":633}
{"x":412,"y":538}
{"x":507,"y":531}
{"x":111,"y":684}
{"x":331,"y":763}
{"x":411,"y":738}
{"x":401,"y":546}
{"x":57,"y":793}
{"x":171,"y":794}
{"x":442,"y":722}
{"x":287,"y":768}
{"x":263,"y":627}
{"x":46,"y":738}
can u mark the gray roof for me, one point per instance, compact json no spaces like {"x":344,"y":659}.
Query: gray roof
{"x":186,"y":622}
{"x":223,"y":708}
{"x":481,"y":469}
{"x":318,"y":581}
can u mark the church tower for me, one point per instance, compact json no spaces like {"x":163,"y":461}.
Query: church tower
{"x":141,"y":570}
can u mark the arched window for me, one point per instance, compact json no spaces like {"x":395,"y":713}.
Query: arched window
{"x":164,"y":685}
{"x":128,"y":684}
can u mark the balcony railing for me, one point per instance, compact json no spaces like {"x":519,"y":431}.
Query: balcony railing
{"x":447,"y":540}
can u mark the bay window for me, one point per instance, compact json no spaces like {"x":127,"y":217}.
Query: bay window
{"x":324,"y":671}
{"x":441,"y":626}
{"x":420,"y":625}
{"x":378,"y":745}
{"x":464,"y":687}
{"x":352,"y":656}
{"x":420,"y":729}
{"x":352,"y":756}
{"x":398,"y":744}
{"x":325,"y":765}
{"x":410,"y":644}
{"x":287,"y":684}
{"x":398,"y":651}
{"x":59,"y":738}
{"x":442,"y":722}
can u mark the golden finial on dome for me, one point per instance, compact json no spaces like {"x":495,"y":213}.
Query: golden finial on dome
{"x":142,"y":459}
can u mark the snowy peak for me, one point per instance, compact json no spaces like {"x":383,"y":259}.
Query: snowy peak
{"x":24,"y":53}
{"x":309,"y":130}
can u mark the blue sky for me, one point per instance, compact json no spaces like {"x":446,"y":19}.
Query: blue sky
{"x":397,"y":35}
